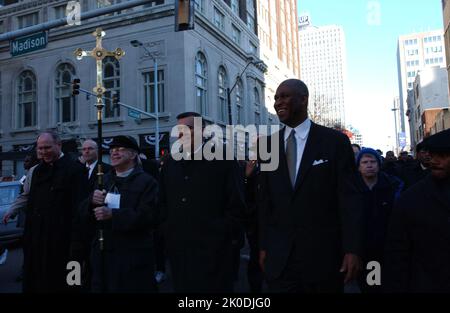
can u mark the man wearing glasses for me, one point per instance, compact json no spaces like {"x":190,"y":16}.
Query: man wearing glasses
{"x":127,"y":208}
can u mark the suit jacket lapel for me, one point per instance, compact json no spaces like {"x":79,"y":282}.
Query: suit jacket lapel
{"x":311,"y":147}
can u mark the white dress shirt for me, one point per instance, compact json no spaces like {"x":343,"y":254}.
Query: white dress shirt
{"x":91,"y":168}
{"x":301,"y":135}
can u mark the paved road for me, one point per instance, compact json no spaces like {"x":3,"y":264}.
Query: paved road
{"x":11,"y":269}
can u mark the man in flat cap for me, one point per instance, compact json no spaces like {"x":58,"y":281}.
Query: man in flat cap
{"x":417,"y":251}
{"x":415,"y":171}
{"x":127,"y":207}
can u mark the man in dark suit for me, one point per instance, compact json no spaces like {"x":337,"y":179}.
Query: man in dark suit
{"x":417,"y":257}
{"x":89,"y":157}
{"x":199,"y":199}
{"x":310,"y":206}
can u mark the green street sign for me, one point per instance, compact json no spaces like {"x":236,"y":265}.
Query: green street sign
{"x":27,"y":44}
{"x":134,"y":114}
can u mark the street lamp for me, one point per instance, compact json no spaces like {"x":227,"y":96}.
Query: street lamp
{"x":229,"y":91}
{"x":137,"y":43}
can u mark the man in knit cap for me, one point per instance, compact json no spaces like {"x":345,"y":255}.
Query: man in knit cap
{"x":417,"y":251}
{"x":379,"y":193}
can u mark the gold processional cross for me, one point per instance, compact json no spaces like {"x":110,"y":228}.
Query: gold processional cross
{"x":99,"y":53}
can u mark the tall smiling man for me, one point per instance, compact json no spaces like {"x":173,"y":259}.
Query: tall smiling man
{"x":310,"y":207}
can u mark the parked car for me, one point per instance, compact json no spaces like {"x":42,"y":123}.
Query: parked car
{"x":9,"y":233}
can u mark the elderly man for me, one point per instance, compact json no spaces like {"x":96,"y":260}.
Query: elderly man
{"x":58,"y":185}
{"x":127,"y":208}
{"x":89,"y":157}
{"x":417,"y":251}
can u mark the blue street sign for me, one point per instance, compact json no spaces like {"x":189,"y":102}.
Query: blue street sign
{"x":134,"y":114}
{"x":27,"y":44}
{"x":402,"y":140}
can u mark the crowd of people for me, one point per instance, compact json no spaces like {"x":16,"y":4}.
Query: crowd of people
{"x":312,"y":225}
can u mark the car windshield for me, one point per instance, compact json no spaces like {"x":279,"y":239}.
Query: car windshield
{"x":8,"y":194}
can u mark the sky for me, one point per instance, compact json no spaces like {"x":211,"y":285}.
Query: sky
{"x":371,"y":44}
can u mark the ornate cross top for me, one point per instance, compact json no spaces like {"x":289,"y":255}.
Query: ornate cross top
{"x":99,"y":53}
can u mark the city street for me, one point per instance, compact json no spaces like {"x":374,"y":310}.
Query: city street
{"x":11,"y":269}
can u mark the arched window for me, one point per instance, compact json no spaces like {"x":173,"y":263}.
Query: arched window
{"x":239,"y":102}
{"x":201,"y":83}
{"x":26,"y":99}
{"x":111,"y":81}
{"x":65,"y":102}
{"x":257,"y":105}
{"x":222,"y":94}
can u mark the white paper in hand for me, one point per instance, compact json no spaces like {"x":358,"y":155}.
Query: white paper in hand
{"x":112,"y":200}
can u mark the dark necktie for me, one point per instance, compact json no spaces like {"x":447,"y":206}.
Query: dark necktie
{"x":291,"y":157}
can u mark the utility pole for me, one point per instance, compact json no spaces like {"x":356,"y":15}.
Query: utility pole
{"x":395,"y":109}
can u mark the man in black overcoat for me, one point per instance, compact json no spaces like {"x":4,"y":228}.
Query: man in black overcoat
{"x":417,"y":257}
{"x":57,"y":187}
{"x":199,"y":199}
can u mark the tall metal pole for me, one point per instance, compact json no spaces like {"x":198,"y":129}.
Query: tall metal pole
{"x":396,"y":131}
{"x":155,"y":63}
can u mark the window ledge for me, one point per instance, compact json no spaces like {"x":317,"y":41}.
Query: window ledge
{"x":22,"y":130}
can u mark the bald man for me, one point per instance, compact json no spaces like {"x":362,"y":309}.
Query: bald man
{"x":89,"y":152}
{"x":58,"y":185}
{"x":310,"y":209}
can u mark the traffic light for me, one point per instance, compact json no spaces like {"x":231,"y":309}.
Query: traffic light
{"x":184,"y":15}
{"x":115,"y":100}
{"x":75,"y":86}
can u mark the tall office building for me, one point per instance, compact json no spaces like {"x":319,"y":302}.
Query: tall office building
{"x":415,"y":52}
{"x":446,"y":11}
{"x":323,"y":69}
{"x":279,"y":48}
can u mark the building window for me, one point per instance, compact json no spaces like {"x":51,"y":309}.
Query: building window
{"x":65,"y":101}
{"x":251,"y":22}
{"x":60,"y":11}
{"x":222,"y":93}
{"x":253,"y":48}
{"x":201,"y":83}
{"x":26,"y":99}
{"x":236,"y":35}
{"x":219,"y":19}
{"x":2,"y":27}
{"x":257,"y":105}
{"x":111,"y":81}
{"x":149,"y":91}
{"x":200,"y":5}
{"x":235,"y":6}
{"x":106,"y":3}
{"x":28,"y":20}
{"x":239,"y":102}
